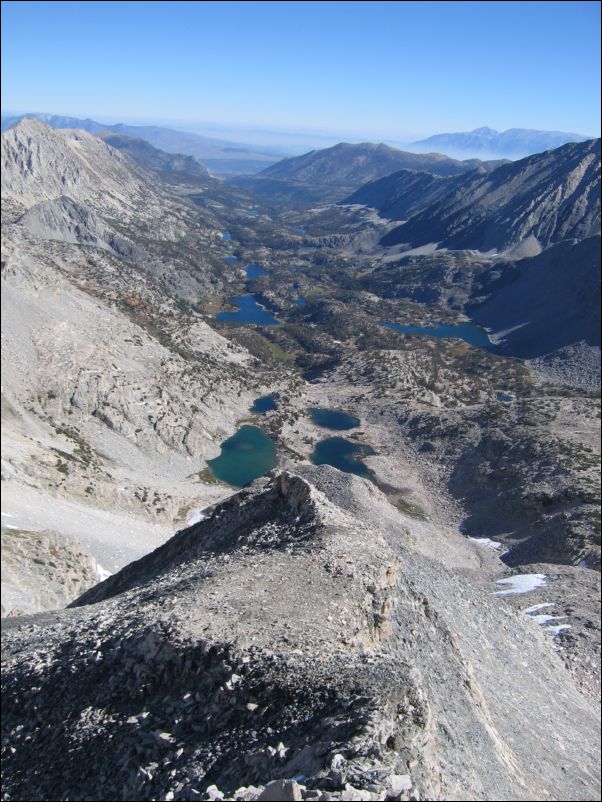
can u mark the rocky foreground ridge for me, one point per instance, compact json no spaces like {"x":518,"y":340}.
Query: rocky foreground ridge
{"x":299,"y":643}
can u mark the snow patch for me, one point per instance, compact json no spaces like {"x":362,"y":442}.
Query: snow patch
{"x":554,"y":630}
{"x":102,"y":572}
{"x":543,"y":619}
{"x":521,"y":583}
{"x":486,"y":541}
{"x":196,"y":517}
{"x":536,"y":607}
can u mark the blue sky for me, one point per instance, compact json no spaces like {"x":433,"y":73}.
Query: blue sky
{"x":390,"y":69}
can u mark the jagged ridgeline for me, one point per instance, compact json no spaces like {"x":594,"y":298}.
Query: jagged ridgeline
{"x":416,"y":618}
{"x":276,"y":644}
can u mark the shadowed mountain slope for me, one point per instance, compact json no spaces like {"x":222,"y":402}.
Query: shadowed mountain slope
{"x":168,"y":164}
{"x":551,"y":196}
{"x":547,"y":302}
{"x":405,"y":193}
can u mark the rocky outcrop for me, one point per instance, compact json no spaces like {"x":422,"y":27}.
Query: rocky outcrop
{"x":294,"y":644}
{"x":64,"y":220}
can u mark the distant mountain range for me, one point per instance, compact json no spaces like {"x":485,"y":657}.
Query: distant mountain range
{"x":327,"y":175}
{"x":219,"y":156}
{"x":346,"y":163}
{"x":491,"y":144}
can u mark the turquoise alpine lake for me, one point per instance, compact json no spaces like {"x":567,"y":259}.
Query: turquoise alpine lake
{"x":264,"y":404}
{"x":333,"y":418}
{"x":249,"y":311}
{"x":253,"y":271}
{"x":344,"y":455}
{"x":246,"y":455}
{"x":469,"y":332}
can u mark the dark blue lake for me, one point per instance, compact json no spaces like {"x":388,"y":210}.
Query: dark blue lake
{"x":249,"y":311}
{"x":245,"y":456}
{"x":253,"y":271}
{"x":333,"y":418}
{"x":469,"y":332}
{"x":507,"y":399}
{"x":344,"y":455}
{"x":264,"y":404}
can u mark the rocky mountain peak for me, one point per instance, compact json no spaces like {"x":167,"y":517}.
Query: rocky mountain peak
{"x":41,"y":163}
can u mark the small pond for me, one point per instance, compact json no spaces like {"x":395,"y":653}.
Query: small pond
{"x":333,"y":418}
{"x":343,"y":454}
{"x":246,"y":455}
{"x":226,"y":236}
{"x":469,"y":332}
{"x":504,"y":397}
{"x":253,"y":271}
{"x":264,"y":404}
{"x":229,"y":259}
{"x":249,"y":311}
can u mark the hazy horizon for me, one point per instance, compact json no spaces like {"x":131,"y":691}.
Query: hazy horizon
{"x":394,"y":72}
{"x":273,"y":139}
